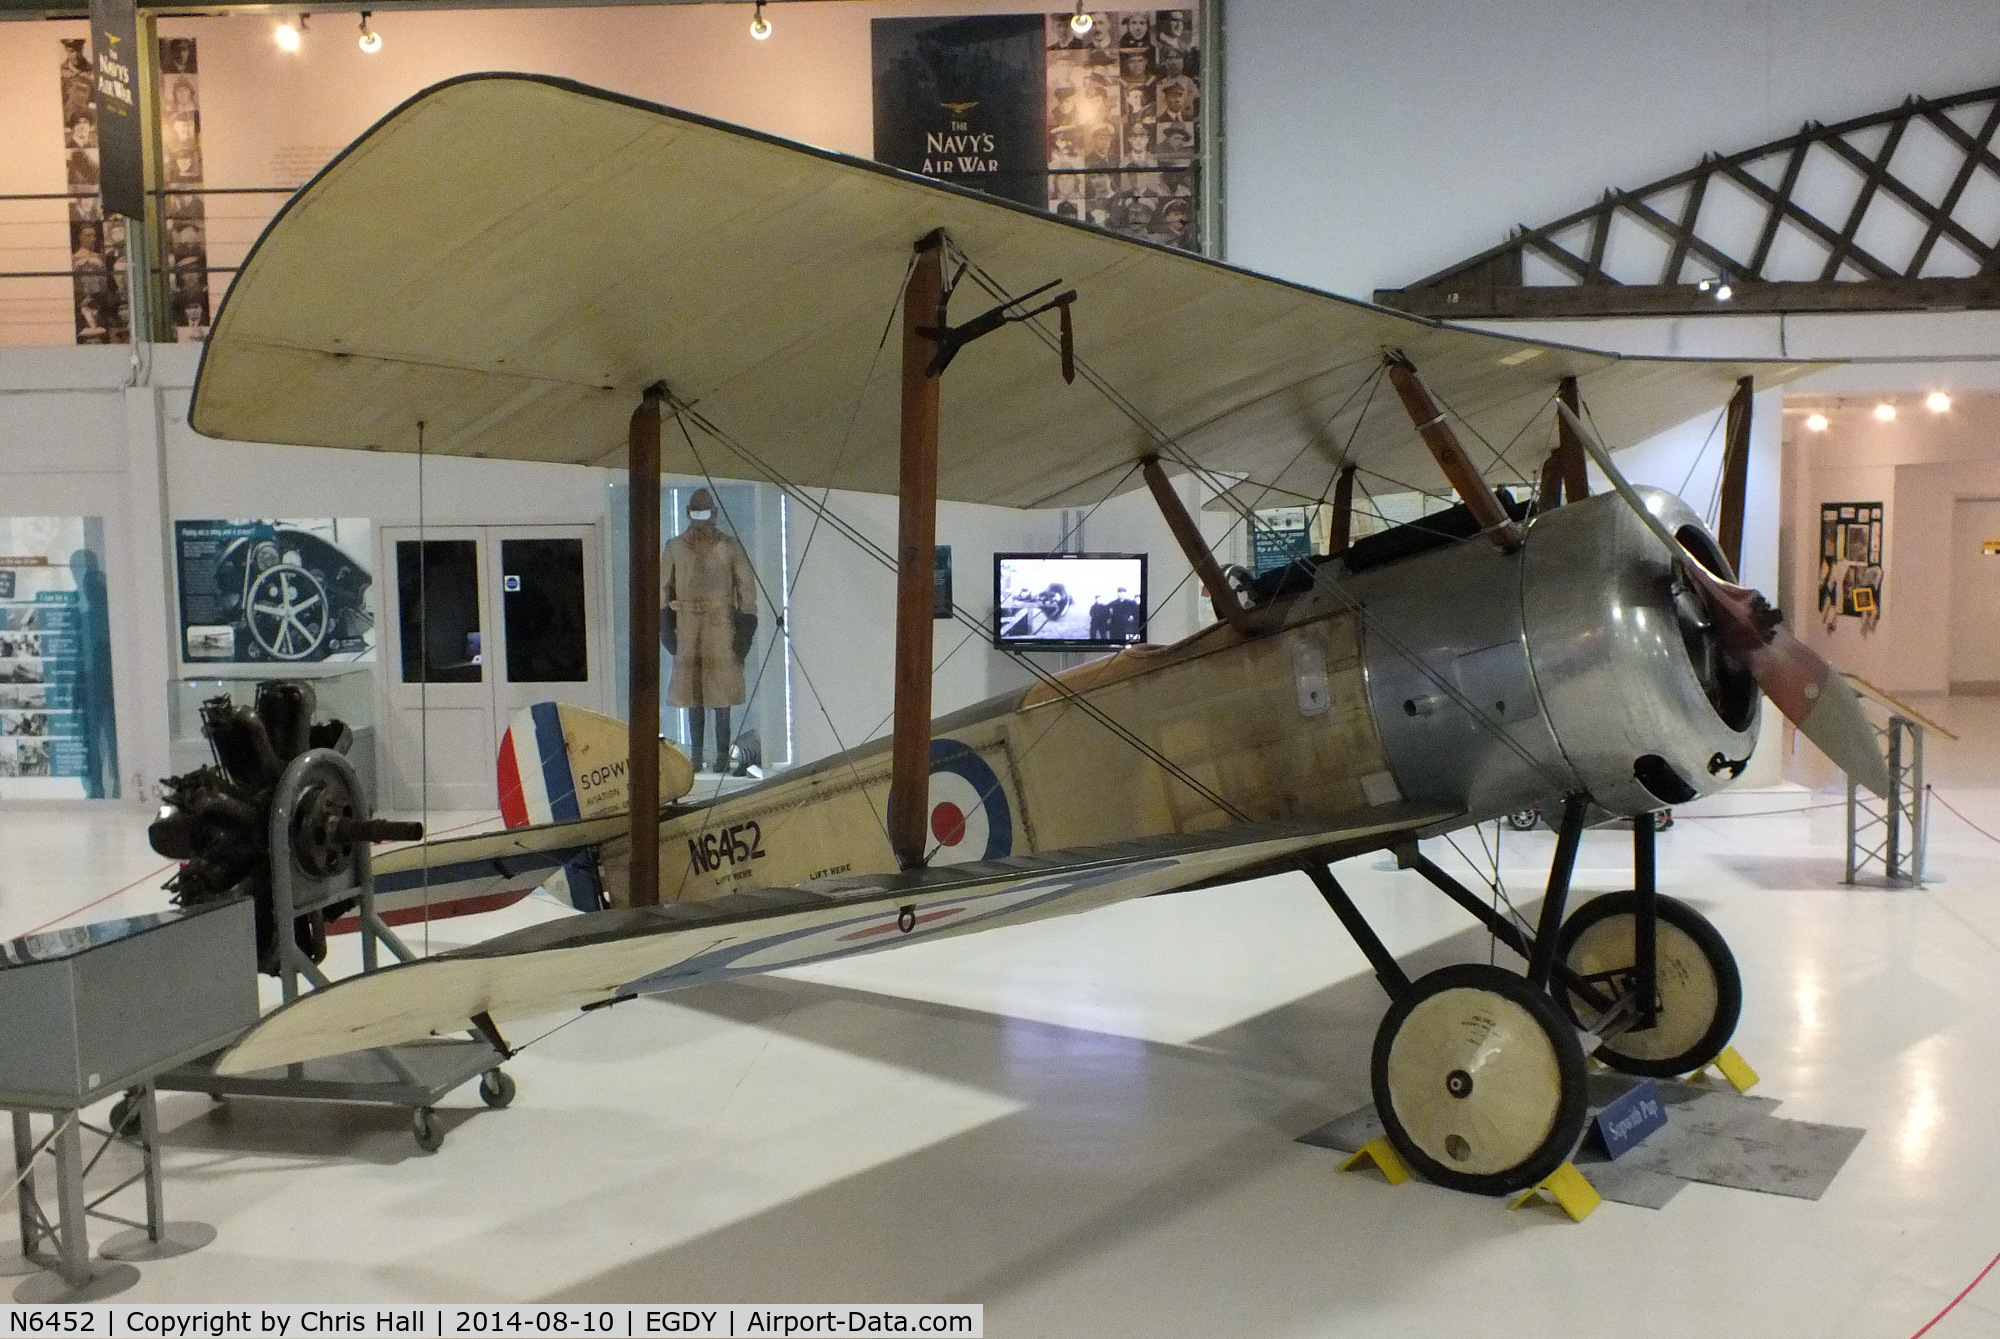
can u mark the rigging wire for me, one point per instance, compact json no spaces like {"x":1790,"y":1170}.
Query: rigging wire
{"x":1171,"y":448}
{"x":962,"y":615}
{"x":715,"y":797}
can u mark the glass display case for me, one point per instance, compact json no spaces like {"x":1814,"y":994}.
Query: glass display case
{"x":346,"y":696}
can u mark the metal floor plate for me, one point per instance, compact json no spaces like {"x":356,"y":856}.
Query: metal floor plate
{"x":1713,"y":1135}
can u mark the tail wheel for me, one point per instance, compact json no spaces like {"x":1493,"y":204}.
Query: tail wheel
{"x":1479,"y":1080}
{"x":1700,"y":991}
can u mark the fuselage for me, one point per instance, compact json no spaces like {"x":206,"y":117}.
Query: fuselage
{"x":1460,"y":676}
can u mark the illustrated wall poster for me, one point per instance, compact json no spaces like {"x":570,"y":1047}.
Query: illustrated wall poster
{"x":1102,"y":127}
{"x":58,"y":728}
{"x":1850,"y":563}
{"x":97,"y":239}
{"x":285,"y":590}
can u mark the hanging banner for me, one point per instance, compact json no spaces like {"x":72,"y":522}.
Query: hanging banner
{"x":184,"y":219}
{"x":1102,"y":126}
{"x":960,"y":99}
{"x":114,"y":47}
{"x":257,"y":590}
{"x":58,"y":731}
{"x":97,"y":243}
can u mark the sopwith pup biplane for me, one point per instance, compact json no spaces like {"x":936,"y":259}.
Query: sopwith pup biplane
{"x":532,"y":269}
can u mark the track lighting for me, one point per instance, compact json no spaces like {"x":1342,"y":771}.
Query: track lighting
{"x":760,"y":27}
{"x":1816,"y":423}
{"x":1937,"y":402}
{"x":1080,"y":22}
{"x":1885,"y":412}
{"x":1717,"y":288}
{"x":371,"y":41}
{"x":290,"y":35}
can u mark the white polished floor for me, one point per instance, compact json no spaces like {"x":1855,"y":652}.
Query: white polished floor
{"x":1087,"y":1125}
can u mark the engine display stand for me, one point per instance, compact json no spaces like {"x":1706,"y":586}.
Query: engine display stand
{"x":319,"y":841}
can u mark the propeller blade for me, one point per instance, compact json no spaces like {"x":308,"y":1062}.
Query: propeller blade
{"x":1808,"y":690}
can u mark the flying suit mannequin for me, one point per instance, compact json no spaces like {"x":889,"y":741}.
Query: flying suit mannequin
{"x":708,"y":615}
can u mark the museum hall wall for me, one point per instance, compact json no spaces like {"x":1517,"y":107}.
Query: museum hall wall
{"x":1367,"y":145}
{"x":1920,"y":466}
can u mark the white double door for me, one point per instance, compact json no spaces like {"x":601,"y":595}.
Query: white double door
{"x":483,"y":621}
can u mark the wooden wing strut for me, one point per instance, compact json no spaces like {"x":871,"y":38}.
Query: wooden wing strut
{"x":916,"y":541}
{"x":1188,"y":535}
{"x":1477,"y":494}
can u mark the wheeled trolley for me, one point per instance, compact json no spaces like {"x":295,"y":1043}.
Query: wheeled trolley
{"x":320,"y":832}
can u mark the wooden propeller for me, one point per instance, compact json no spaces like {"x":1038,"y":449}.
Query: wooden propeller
{"x":1804,"y":686}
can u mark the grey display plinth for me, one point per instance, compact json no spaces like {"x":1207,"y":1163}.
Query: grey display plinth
{"x":96,"y":1010}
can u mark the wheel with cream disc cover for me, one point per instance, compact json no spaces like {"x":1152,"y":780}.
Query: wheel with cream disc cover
{"x":1700,"y":991}
{"x":1478,"y":1079}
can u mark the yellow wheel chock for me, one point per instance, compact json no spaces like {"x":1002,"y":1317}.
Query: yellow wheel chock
{"x":1566,"y":1186}
{"x":1732,"y":1067}
{"x":1385,"y":1157}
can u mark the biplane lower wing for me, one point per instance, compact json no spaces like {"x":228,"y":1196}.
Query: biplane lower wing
{"x":604,"y":956}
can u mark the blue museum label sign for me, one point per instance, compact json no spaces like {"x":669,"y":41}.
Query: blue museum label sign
{"x":1626,"y":1122}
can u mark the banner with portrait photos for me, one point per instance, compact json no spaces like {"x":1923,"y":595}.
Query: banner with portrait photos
{"x":1102,"y":126}
{"x":97,"y":241}
{"x":58,"y":731}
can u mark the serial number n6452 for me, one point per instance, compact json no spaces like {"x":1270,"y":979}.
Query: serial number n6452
{"x":732,"y":846}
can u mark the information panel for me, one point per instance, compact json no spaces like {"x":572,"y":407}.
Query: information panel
{"x":58,"y":733}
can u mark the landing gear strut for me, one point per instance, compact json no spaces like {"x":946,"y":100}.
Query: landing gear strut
{"x":1478,"y":1073}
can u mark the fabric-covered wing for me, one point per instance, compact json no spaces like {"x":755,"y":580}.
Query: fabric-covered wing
{"x":512,"y":259}
{"x":597,"y":957}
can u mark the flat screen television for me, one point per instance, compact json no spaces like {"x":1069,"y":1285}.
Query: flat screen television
{"x":1069,"y":601}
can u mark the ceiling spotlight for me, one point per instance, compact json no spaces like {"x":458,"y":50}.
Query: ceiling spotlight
{"x":760,"y":27}
{"x":1886,"y":412}
{"x":1717,"y":288}
{"x":1080,"y":22}
{"x":289,"y":36}
{"x":1937,"y":402}
{"x":1816,"y":423}
{"x":371,"y":41}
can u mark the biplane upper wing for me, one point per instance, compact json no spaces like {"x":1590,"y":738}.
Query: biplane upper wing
{"x":602,"y":956}
{"x":511,"y":259}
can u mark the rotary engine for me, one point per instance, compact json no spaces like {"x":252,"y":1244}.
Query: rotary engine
{"x":1590,"y":658}
{"x":217,"y":820}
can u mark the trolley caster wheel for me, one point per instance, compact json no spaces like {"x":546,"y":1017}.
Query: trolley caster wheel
{"x":1663,"y":820}
{"x":426,"y":1130}
{"x":1479,"y":1080}
{"x":1524,"y":820}
{"x":496,"y":1088}
{"x":1700,"y":990}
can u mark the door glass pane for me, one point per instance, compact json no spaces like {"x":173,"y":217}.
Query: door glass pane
{"x":438,"y":603}
{"x":543,"y":606}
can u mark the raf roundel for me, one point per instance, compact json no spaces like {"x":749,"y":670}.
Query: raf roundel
{"x":969,"y":816}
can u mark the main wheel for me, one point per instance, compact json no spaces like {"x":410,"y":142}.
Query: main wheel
{"x":1700,"y":991}
{"x":1524,"y":820}
{"x":1478,"y":1078}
